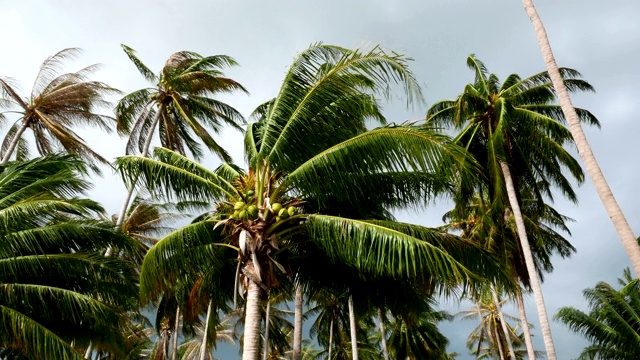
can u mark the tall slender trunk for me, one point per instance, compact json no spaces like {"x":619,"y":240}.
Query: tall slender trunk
{"x":330,"y":338}
{"x":267,"y":318}
{"x":487,"y":329}
{"x":14,"y":142}
{"x":584,"y":149}
{"x":176,"y":328}
{"x":297,"y":325}
{"x":203,"y":347}
{"x":383,"y":336}
{"x":145,"y":152}
{"x":498,"y":340}
{"x":525,"y":326}
{"x":531,"y":266}
{"x":503,"y":324}
{"x":251,"y":350}
{"x":352,"y":326}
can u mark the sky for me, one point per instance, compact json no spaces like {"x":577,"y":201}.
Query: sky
{"x":598,"y":38}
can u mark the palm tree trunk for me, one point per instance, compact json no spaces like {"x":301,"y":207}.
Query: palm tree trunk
{"x":88,"y":353}
{"x":251,"y":350}
{"x":174,"y":354}
{"x":531,"y":266}
{"x":297,"y":325}
{"x":14,"y":142}
{"x":498,"y":341}
{"x":525,"y":326}
{"x":486,"y":329}
{"x":266,"y":330}
{"x":383,"y":336}
{"x":145,"y":152}
{"x":330,"y":338}
{"x":352,"y":325}
{"x":503,"y":323}
{"x":203,"y":347}
{"x":618,"y":219}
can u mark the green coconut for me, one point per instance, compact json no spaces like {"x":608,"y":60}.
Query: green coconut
{"x":283,"y":214}
{"x":239,"y":205}
{"x":276,"y":207}
{"x":252,"y":210}
{"x":292,"y":210}
{"x":243,"y":215}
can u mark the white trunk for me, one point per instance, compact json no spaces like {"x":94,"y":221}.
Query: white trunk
{"x":487,"y":330}
{"x":584,"y":149}
{"x":383,"y":336}
{"x":251,"y":350}
{"x":176,"y":328}
{"x":352,"y":326}
{"x":267,"y":318}
{"x":89,"y":352}
{"x":503,"y":323}
{"x":14,"y":142}
{"x":531,"y":267}
{"x":525,"y":326}
{"x":145,"y":152}
{"x":203,"y":347}
{"x":330,"y":339}
{"x":297,"y":325}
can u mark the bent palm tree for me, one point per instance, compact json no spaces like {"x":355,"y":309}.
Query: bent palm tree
{"x":327,"y":95}
{"x":57,"y":103}
{"x":517,"y":134}
{"x":181,"y":105}
{"x":55,"y":287}
{"x":584,"y":149}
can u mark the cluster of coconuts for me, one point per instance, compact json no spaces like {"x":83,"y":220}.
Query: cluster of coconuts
{"x":245,"y":211}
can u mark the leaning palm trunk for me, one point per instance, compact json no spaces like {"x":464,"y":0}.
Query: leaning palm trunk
{"x":14,"y":142}
{"x":330,"y":339}
{"x":383,"y":336}
{"x":205,"y":337}
{"x":145,"y":152}
{"x":584,"y":149}
{"x":352,"y":326}
{"x":525,"y":326}
{"x":251,"y":349}
{"x":267,"y":318}
{"x":531,"y":266}
{"x":297,"y":325}
{"x":503,"y":324}
{"x":174,"y":353}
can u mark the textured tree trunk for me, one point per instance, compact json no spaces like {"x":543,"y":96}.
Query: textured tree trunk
{"x":297,"y":325}
{"x":251,"y":350}
{"x":584,"y":149}
{"x":174,"y":354}
{"x":14,"y":142}
{"x":266,"y":330}
{"x":525,"y":326}
{"x":503,"y":324}
{"x":498,"y":340}
{"x":145,"y":152}
{"x":352,"y":326}
{"x":531,"y":267}
{"x":486,"y":330}
{"x":203,"y":347}
{"x":330,"y":339}
{"x":383,"y":336}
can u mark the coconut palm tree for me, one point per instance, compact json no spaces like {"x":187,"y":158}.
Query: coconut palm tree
{"x":57,"y":103}
{"x":57,"y":292}
{"x":413,"y":334}
{"x":312,"y":144}
{"x":584,"y":149}
{"x":180,"y":105}
{"x":612,"y":324}
{"x":517,"y":134}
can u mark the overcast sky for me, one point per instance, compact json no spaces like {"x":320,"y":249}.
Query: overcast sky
{"x":598,"y":38}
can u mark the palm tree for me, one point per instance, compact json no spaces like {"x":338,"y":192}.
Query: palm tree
{"x":57,"y":103}
{"x":56,"y":289}
{"x":414,"y":335}
{"x":326,"y":96}
{"x":584,"y":149}
{"x":517,"y":134}
{"x":180,"y":105}
{"x":612,"y":324}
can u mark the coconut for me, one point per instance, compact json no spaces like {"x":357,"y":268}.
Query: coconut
{"x":276,"y":207}
{"x":239,"y":205}
{"x":292,"y":210}
{"x":243,"y":215}
{"x":283,"y":214}
{"x":252,"y":210}
{"x":250,"y":193}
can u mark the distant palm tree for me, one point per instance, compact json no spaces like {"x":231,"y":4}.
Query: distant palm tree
{"x":179,"y":105}
{"x":613,"y":323}
{"x":517,"y":134}
{"x":56,"y":104}
{"x":584,"y":149}
{"x":56,"y":288}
